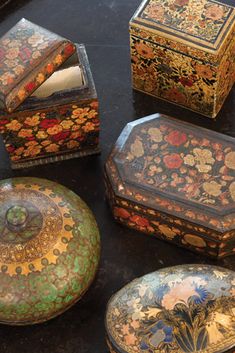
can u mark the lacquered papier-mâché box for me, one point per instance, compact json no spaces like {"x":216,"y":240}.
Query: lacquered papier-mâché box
{"x":184,"y":52}
{"x":176,"y":181}
{"x":180,"y":309}
{"x":49,"y":102}
{"x":49,"y":250}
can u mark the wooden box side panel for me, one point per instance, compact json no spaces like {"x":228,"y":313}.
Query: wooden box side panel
{"x":226,"y":76}
{"x":167,"y":228}
{"x":170,"y":75}
{"x":34,"y":134}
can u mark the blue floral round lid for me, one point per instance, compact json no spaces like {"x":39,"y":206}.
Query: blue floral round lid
{"x":182,"y":309}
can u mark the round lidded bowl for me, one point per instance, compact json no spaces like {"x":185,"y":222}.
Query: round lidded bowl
{"x":49,"y":250}
{"x":182,"y":309}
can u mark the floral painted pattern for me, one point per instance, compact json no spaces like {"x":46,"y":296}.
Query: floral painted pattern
{"x":173,"y":76}
{"x":203,"y":19}
{"x":25,"y":47}
{"x":180,"y":309}
{"x":226,"y":75}
{"x":175,"y":181}
{"x":176,"y":69}
{"x":169,"y":158}
{"x":30,"y":135}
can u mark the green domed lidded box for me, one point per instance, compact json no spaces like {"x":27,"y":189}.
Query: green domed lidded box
{"x":181,"y":309}
{"x":49,"y":250}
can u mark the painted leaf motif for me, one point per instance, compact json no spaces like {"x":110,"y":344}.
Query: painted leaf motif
{"x":184,"y":345}
{"x":202,"y":339}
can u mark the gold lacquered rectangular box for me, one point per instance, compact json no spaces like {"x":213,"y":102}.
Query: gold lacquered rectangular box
{"x":184,"y":52}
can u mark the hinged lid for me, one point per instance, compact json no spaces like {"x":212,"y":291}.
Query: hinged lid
{"x":181,"y":309}
{"x":177,"y":168}
{"x":203,"y":25}
{"x":29,"y":54}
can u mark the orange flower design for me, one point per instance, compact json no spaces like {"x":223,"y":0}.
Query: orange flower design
{"x":76,"y":134}
{"x":52,"y":148}
{"x":88,"y":127}
{"x":40,"y":78}
{"x":54,"y":130}
{"x":92,"y":114}
{"x":19,"y":151}
{"x":12,"y":53}
{"x":80,"y":121}
{"x":130,"y":339}
{"x":144,"y":50}
{"x":80,"y":112}
{"x":14,"y":125}
{"x":32,"y":151}
{"x":214,"y":12}
{"x":32,"y":121}
{"x":41,"y":134}
{"x":58,"y":59}
{"x":66,"y":124}
{"x":21,"y":94}
{"x":155,"y":12}
{"x":175,"y":95}
{"x":25,"y":133}
{"x":45,"y":143}
{"x":204,"y":71}
{"x":19,"y":69}
{"x":72,"y":144}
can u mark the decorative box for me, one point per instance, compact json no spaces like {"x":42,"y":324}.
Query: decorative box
{"x":176,"y":181}
{"x":182,"y":309}
{"x":49,"y":250}
{"x":183,"y":51}
{"x":56,"y":104}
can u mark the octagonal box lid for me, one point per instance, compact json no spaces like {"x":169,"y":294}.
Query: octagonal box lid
{"x":182,"y":309}
{"x":49,"y":250}
{"x":164,"y":168}
{"x":29,"y":54}
{"x":199,"y":28}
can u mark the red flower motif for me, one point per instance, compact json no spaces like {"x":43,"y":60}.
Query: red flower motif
{"x":140,"y":221}
{"x":61,"y":136}
{"x":94,"y":105}
{"x":46,"y":123}
{"x":181,"y":2}
{"x":121,"y":212}
{"x":176,"y":138}
{"x":30,"y":138}
{"x":175,"y":95}
{"x":186,"y":81}
{"x":4,"y":122}
{"x":69,"y":49}
{"x":172,"y":161}
{"x":50,"y":68}
{"x":30,"y":86}
{"x":10,"y":149}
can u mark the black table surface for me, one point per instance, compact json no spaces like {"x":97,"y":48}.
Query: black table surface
{"x":102,"y":25}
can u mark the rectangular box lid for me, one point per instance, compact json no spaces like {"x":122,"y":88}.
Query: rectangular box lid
{"x":29,"y":54}
{"x":206,"y":25}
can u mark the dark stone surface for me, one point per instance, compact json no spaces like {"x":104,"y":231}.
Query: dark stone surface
{"x":103,"y":26}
